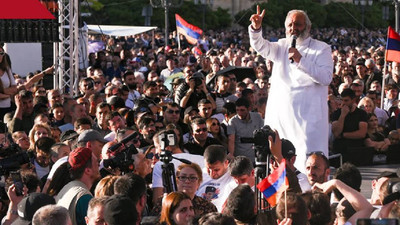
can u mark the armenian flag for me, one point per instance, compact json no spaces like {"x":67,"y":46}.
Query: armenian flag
{"x":273,"y":185}
{"x":191,"y":32}
{"x":393,"y":46}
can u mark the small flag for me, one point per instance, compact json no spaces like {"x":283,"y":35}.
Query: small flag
{"x":191,"y":32}
{"x":393,"y":46}
{"x":273,"y":185}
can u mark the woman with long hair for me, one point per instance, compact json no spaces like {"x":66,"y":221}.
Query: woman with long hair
{"x":8,"y":87}
{"x":214,"y":128}
{"x":38,"y":130}
{"x":177,"y":209}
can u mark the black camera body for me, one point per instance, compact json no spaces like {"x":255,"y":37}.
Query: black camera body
{"x":13,"y":158}
{"x":197,"y":81}
{"x":123,"y":160}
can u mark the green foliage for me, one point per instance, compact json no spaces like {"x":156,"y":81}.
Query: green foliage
{"x":330,"y":15}
{"x":129,"y":12}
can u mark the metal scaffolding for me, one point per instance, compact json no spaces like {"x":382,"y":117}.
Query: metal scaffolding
{"x":66,"y":51}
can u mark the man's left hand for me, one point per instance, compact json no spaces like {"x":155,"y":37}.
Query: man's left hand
{"x":294,"y":54}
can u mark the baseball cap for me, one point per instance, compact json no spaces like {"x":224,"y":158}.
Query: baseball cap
{"x":79,"y":157}
{"x":120,"y":210}
{"x":91,"y":135}
{"x":189,"y":109}
{"x":360,"y":62}
{"x":68,"y":135}
{"x":30,"y":204}
{"x":288,"y":149}
{"x":388,"y":174}
{"x":197,"y":75}
{"x":393,"y":191}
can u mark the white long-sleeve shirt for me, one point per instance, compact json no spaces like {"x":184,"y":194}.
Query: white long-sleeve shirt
{"x":297,"y":103}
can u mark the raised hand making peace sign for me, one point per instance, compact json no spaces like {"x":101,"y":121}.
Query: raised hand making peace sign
{"x":256,"y":19}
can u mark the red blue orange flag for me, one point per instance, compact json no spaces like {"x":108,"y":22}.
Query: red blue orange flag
{"x":393,"y":46}
{"x":24,"y":9}
{"x":273,"y":185}
{"x":191,"y":32}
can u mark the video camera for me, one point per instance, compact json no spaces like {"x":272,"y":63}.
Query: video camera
{"x":260,"y":141}
{"x":123,"y":158}
{"x":12,"y":158}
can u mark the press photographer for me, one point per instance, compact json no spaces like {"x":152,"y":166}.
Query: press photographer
{"x":123,"y":157}
{"x":176,"y":151}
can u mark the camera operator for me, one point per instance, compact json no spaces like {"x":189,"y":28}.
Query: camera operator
{"x":192,"y":90}
{"x":142,"y":165}
{"x":172,"y":147}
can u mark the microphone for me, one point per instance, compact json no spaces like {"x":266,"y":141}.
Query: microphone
{"x":293,"y":45}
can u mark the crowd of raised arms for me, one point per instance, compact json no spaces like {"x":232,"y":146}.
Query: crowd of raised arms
{"x":60,"y":147}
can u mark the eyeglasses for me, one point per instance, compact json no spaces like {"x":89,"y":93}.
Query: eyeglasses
{"x":214,"y":124}
{"x":97,"y":82}
{"x":173,"y":111}
{"x":150,"y":155}
{"x":2,"y":53}
{"x":184,"y":179}
{"x":201,"y":129}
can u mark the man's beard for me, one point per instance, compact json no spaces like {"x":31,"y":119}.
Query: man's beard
{"x":302,"y":36}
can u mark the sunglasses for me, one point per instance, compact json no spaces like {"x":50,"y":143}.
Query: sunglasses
{"x":2,"y":53}
{"x":97,"y":82}
{"x":191,"y":179}
{"x":233,"y":79}
{"x":173,"y":111}
{"x":316,"y":153}
{"x":150,"y":155}
{"x":214,"y":124}
{"x":201,"y":129}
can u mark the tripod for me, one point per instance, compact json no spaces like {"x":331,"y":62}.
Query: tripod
{"x":261,"y":172}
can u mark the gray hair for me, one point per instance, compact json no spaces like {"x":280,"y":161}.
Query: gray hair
{"x":306,"y":32}
{"x":51,"y":215}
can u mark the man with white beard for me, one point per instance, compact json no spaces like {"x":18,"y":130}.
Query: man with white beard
{"x":297,"y":104}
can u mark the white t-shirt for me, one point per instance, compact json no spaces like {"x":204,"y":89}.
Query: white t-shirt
{"x":303,"y":182}
{"x":41,"y":171}
{"x":8,"y":80}
{"x":157,"y":170}
{"x":216,"y":190}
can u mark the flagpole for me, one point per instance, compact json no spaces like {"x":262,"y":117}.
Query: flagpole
{"x":384,"y":70}
{"x":285,"y":205}
{"x":383,"y":83}
{"x":179,"y":39}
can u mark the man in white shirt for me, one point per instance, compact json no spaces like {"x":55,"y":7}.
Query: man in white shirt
{"x":216,"y":166}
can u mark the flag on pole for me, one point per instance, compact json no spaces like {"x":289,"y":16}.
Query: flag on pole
{"x":191,"y":32}
{"x":273,"y":185}
{"x":393,"y":46}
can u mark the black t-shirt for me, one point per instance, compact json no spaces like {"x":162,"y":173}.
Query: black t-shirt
{"x":196,"y":149}
{"x":352,"y":120}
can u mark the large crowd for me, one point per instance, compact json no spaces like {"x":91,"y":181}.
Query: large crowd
{"x":112,"y":152}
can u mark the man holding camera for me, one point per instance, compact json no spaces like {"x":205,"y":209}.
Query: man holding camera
{"x":192,"y":90}
{"x":242,"y":125}
{"x":168,"y":139}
